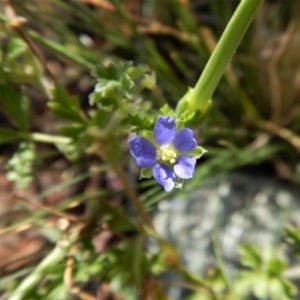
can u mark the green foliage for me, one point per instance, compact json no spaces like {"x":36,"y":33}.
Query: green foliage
{"x":265,"y":279}
{"x":146,"y":173}
{"x":197,"y":152}
{"x":19,"y":167}
{"x":166,"y":110}
{"x":20,"y":65}
{"x":186,"y":113}
{"x":140,"y":122}
{"x":217,"y":285}
{"x":171,"y":45}
{"x":14,"y":104}
{"x":55,"y":47}
{"x":127,"y":262}
{"x":70,"y":151}
{"x":7,"y":136}
{"x":116,"y":83}
{"x":65,"y":107}
{"x":250,"y":256}
{"x":116,"y":220}
{"x":293,"y":237}
{"x":117,"y":97}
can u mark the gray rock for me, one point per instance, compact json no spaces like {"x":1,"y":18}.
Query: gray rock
{"x":237,"y":208}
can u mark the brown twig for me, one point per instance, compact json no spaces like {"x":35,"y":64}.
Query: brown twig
{"x":68,"y":278}
{"x":101,"y":4}
{"x":275,"y":83}
{"x":16,"y":23}
{"x":157,"y":28}
{"x":48,"y":209}
{"x":21,"y":228}
{"x":32,"y":257}
{"x":281,"y":132}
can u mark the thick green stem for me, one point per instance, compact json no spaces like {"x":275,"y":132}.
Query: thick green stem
{"x":199,"y":97}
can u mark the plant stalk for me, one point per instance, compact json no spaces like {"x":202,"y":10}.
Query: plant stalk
{"x":200,"y":96}
{"x":128,"y":190}
{"x":32,"y":281}
{"x":48,"y":138}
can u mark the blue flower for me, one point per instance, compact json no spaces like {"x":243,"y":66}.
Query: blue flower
{"x":171,"y":155}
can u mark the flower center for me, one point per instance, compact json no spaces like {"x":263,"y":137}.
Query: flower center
{"x":167,"y":155}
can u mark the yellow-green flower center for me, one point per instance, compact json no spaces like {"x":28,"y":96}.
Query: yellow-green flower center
{"x":167,"y":155}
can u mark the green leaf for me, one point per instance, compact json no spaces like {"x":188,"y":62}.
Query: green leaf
{"x":243,"y":284}
{"x":120,"y":81}
{"x":289,"y":288}
{"x":107,"y":93}
{"x":20,"y":65}
{"x":293,"y":236}
{"x":113,"y":71}
{"x":281,"y":289}
{"x":140,"y":122}
{"x":200,"y":296}
{"x":149,"y":81}
{"x":65,"y":107}
{"x":19,"y":167}
{"x":136,"y":71}
{"x":276,"y":266}
{"x":266,"y":277}
{"x":167,"y":111}
{"x":14,"y":105}
{"x":100,"y":117}
{"x":198,"y":152}
{"x":62,"y":50}
{"x":7,"y":136}
{"x":73,"y":130}
{"x":71,"y":151}
{"x":260,"y":285}
{"x":250,"y":256}
{"x":146,"y":173}
{"x":117,"y":221}
{"x":130,"y":262}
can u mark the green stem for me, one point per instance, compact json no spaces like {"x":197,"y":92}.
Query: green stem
{"x":200,"y":96}
{"x":132,"y":196}
{"x":128,"y":190}
{"x":31,"y":282}
{"x":48,"y":138}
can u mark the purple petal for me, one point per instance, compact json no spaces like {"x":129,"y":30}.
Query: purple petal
{"x":185,"y":166}
{"x":184,"y":140}
{"x":164,"y":176}
{"x":164,"y":130}
{"x":143,"y":151}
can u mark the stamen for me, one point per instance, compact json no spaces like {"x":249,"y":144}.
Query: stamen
{"x":167,"y":154}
